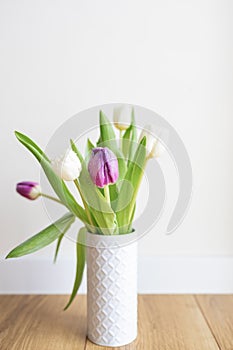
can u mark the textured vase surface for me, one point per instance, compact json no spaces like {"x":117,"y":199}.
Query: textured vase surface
{"x":111,"y":290}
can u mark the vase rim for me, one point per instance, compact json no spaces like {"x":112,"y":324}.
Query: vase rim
{"x":111,"y":241}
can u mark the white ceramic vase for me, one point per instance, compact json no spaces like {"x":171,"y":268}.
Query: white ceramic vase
{"x":111,"y":290}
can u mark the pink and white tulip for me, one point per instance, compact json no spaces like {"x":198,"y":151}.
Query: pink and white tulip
{"x":29,"y":189}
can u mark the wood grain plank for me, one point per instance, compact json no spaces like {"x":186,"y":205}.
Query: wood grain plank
{"x":9,"y":304}
{"x":218,"y":311}
{"x":39,"y":323}
{"x":169,"y":322}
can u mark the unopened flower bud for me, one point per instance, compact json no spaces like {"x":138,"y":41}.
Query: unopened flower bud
{"x":153,"y":146}
{"x":103,"y":167}
{"x":29,"y":189}
{"x":122,"y":117}
{"x":67,"y":167}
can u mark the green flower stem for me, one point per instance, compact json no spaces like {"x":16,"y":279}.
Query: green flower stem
{"x":107,"y":194}
{"x":52,"y":198}
{"x":84,"y":202}
{"x":121,"y":139}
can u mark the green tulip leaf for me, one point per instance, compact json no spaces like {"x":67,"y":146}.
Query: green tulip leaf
{"x":126,"y":142}
{"x":129,"y":140}
{"x":129,"y":188}
{"x":80,"y":264}
{"x":89,"y":148}
{"x":58,"y":246}
{"x":75,"y":149}
{"x":31,"y":146}
{"x":44,"y":237}
{"x":106,"y":132}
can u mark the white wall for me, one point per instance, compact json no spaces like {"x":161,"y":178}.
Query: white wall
{"x":175,"y":57}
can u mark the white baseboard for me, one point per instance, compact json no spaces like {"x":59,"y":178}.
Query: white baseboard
{"x":161,"y":274}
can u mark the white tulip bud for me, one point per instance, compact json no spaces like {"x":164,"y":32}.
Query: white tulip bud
{"x":122,"y":117}
{"x":67,"y":167}
{"x":154,"y":148}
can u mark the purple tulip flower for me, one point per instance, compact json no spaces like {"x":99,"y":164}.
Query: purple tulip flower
{"x":103,"y":167}
{"x":29,"y":189}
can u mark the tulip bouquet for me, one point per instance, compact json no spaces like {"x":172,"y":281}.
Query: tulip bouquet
{"x":107,"y":180}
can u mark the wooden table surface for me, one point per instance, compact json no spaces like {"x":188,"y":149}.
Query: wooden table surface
{"x":176,"y":322}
